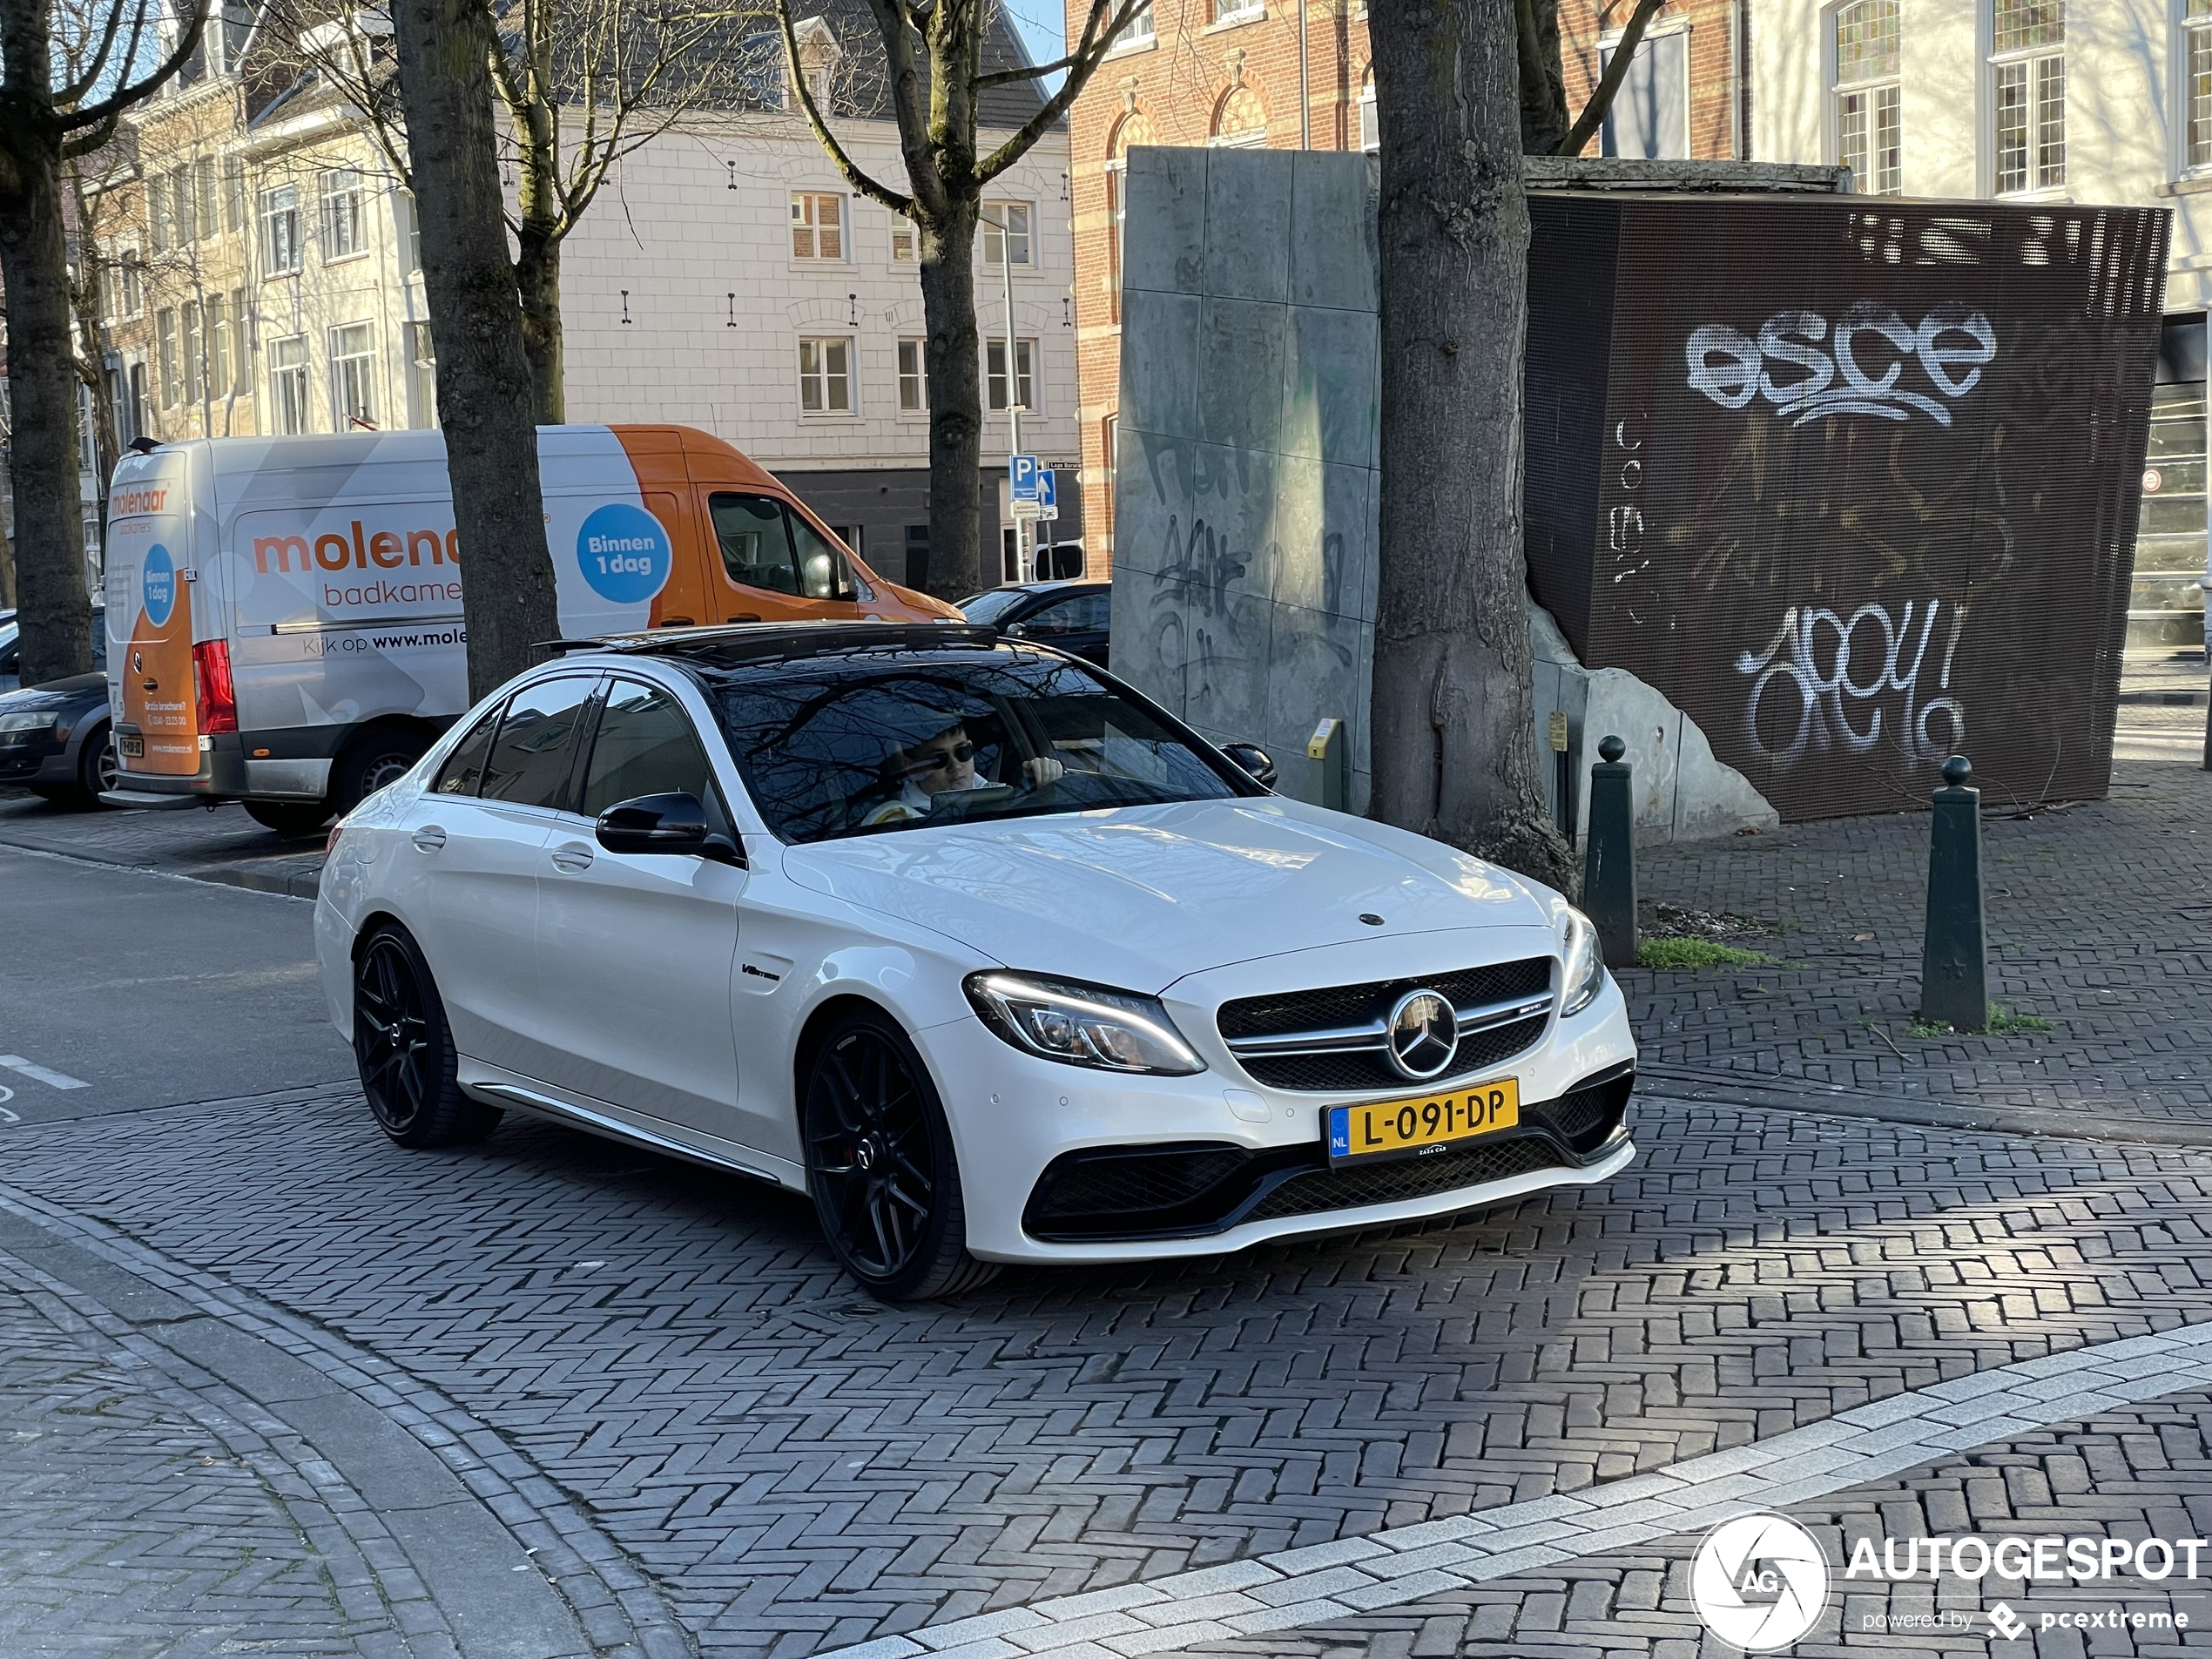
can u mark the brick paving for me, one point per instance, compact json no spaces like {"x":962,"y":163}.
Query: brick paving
{"x":2100,"y":920}
{"x":799,"y":1468}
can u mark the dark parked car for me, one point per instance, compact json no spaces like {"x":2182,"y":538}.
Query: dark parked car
{"x":1072,"y":616}
{"x":56,"y":738}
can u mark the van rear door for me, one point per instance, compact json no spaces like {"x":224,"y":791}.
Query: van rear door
{"x":151,"y":681}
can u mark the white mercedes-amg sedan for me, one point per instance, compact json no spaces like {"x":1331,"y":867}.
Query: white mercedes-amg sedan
{"x":989,"y":955}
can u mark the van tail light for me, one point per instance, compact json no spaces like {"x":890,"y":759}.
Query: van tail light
{"x":211,"y":666}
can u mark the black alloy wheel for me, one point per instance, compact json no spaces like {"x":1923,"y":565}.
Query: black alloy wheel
{"x":879,"y":1164}
{"x":404,"y":1049}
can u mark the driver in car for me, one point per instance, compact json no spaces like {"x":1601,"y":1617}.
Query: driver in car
{"x":944,"y":765}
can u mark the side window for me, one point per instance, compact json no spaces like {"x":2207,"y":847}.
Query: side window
{"x":645,"y":746}
{"x":1085,"y":613}
{"x":756,"y":547}
{"x":463,"y":771}
{"x":534,"y":756}
{"x":823,"y":572}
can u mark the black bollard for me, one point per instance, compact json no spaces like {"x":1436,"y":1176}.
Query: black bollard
{"x":1610,"y":857}
{"x":1954,"y":967}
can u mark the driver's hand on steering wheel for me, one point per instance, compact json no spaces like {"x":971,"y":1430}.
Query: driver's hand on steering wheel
{"x":1041,"y":770}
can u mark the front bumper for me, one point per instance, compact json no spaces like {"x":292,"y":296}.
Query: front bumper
{"x":36,"y":757}
{"x":1016,"y":1119}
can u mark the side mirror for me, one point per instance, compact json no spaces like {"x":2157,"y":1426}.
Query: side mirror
{"x":1017,"y":630}
{"x":1251,"y":758}
{"x":654,"y":824}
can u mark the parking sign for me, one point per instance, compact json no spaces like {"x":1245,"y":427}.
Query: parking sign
{"x":1022,"y":473}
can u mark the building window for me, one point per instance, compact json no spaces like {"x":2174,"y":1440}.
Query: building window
{"x":281,"y":231}
{"x":157,"y":226}
{"x":1135,"y":129}
{"x":1650,"y":117}
{"x":817,"y":225}
{"x":914,"y":376}
{"x":2029,"y":64}
{"x":353,"y":377}
{"x":183,"y":221}
{"x":195,"y":386}
{"x":826,"y":376}
{"x":1237,"y":10}
{"x":288,"y":384}
{"x":902,"y":240}
{"x":1868,"y":130}
{"x":1025,"y":355}
{"x":2196,"y":25}
{"x":1005,"y":232}
{"x":233,"y":195}
{"x":219,"y":346}
{"x":1370,"y":128}
{"x":1241,"y":122}
{"x":164,"y":332}
{"x":409,"y":227}
{"x":241,"y":345}
{"x":207,"y":190}
{"x":134,"y":285}
{"x":423,"y":359}
{"x":341,"y":215}
{"x":141,"y":415}
{"x":1136,"y":32}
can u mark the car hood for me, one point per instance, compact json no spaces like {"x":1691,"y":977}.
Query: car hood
{"x":79,"y":691}
{"x":1139,"y":897}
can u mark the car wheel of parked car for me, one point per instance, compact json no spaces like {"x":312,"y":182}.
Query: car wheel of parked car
{"x":404,"y":1048}
{"x":370,"y":762}
{"x":879,"y":1164}
{"x":289,"y":818}
{"x":97,"y":766}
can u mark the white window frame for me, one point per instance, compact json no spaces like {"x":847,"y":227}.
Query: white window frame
{"x":165,"y":333}
{"x":422,"y":375}
{"x":1116,"y":171}
{"x":2192,"y":134}
{"x":905,"y":234}
{"x":1019,"y":237}
{"x":1139,"y":35}
{"x":809,"y":225}
{"x":352,"y":371}
{"x":1608,"y":42}
{"x":821,"y":378}
{"x":912,"y":353}
{"x":1370,"y":127}
{"x":281,"y":254}
{"x":344,"y":216}
{"x":1025,"y":375}
{"x":1226,"y":14}
{"x":1870,"y":180}
{"x":290,"y":411}
{"x":2031,"y":61}
{"x":192,"y":330}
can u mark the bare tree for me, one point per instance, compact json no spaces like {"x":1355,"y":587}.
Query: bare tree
{"x":585,"y":84}
{"x":1454,"y":754}
{"x":1545,"y":128}
{"x":92,"y":279}
{"x":59,"y":99}
{"x":932,"y":57}
{"x":508,"y":599}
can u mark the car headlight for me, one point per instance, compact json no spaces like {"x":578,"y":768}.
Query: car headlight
{"x":1584,"y":968}
{"x":1081,"y":1025}
{"x":26,"y":722}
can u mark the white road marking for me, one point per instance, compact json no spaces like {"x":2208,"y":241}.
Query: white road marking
{"x":7,"y":1116}
{"x":15,"y":1063}
{"x":1353,"y":1575}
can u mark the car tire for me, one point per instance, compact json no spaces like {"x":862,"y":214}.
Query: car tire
{"x":98,"y":767}
{"x":403,"y":1048}
{"x":369,"y":763}
{"x":880,"y":1164}
{"x":290,"y":819}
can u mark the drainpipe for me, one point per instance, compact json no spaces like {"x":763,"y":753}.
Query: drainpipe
{"x":1304,"y":85}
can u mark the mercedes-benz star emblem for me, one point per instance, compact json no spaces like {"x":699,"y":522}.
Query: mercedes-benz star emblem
{"x":1423,"y":1035}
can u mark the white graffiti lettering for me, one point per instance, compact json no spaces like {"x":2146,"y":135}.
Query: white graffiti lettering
{"x":1816,"y":706}
{"x":1860,"y":374}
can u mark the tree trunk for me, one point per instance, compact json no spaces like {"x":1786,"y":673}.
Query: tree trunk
{"x":484,"y":402}
{"x":1453,"y":750}
{"x":959,"y":564}
{"x":54,"y":606}
{"x":1543,"y":81}
{"x":537,"y":281}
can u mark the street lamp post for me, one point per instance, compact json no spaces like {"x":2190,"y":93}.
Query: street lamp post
{"x":1013,"y":386}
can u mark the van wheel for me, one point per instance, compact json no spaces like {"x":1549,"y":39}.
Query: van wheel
{"x":404,"y":1048}
{"x":879,"y":1164}
{"x":291,"y":818}
{"x":370,"y":762}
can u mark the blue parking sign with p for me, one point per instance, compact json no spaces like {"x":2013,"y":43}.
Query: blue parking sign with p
{"x":1022,"y":472}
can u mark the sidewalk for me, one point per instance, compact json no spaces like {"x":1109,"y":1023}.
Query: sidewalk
{"x":222,"y":845}
{"x":2099,"y":923}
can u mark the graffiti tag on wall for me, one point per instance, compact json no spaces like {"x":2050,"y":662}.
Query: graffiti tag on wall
{"x":1811,"y":710}
{"x":1862,"y":371}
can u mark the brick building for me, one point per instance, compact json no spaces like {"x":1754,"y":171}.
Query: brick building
{"x":1687,"y":94}
{"x":1192,"y":72}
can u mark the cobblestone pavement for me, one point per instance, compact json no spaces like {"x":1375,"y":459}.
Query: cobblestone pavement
{"x":2099,"y":921}
{"x":799,"y":1468}
{"x":2144,"y":1473}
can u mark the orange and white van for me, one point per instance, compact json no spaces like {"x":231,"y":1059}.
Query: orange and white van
{"x":285,"y":616}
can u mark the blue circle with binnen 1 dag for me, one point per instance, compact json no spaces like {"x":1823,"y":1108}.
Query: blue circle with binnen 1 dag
{"x":623,"y":553}
{"x":157,"y":585}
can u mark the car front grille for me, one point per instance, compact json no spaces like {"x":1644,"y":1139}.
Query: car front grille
{"x":1318,"y":1191}
{"x":1333,"y":1039}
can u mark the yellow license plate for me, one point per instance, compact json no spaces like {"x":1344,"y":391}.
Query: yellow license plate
{"x":135,"y":747}
{"x":1420,"y":1124}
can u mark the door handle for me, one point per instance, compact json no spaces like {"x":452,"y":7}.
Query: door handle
{"x":572,"y":858}
{"x":746,"y":616}
{"x":429,"y":837}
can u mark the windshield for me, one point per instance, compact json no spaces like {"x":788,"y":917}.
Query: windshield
{"x":865,"y":747}
{"x":987,"y":608}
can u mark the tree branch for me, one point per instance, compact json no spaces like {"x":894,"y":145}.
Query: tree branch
{"x":844,"y":163}
{"x":130,"y":92}
{"x":1616,"y":70}
{"x":1088,"y":54}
